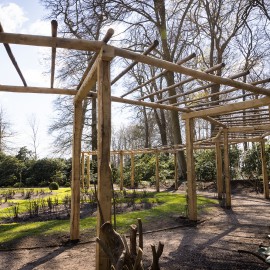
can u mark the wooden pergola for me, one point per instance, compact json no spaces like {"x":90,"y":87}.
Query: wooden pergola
{"x":251,"y":119}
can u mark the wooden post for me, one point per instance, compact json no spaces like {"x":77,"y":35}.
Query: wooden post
{"x":121,"y":170}
{"x":219,"y":171}
{"x":76,"y":173}
{"x":191,"y":183}
{"x":104,"y":140}
{"x":175,"y":172}
{"x":227,"y":170}
{"x":157,"y":171}
{"x":132,"y":169}
{"x":83,"y":169}
{"x":88,"y":172}
{"x":264,"y":171}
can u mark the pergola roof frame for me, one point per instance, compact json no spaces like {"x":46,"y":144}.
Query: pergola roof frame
{"x":98,"y":72}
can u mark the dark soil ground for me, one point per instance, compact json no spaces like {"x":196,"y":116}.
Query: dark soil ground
{"x":212,"y":244}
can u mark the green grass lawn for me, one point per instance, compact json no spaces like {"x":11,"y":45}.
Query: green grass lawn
{"x":168,"y":204}
{"x":23,"y":204}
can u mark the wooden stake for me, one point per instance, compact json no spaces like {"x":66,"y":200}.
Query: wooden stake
{"x":54,"y":25}
{"x":264,"y":171}
{"x":191,"y":183}
{"x":157,"y":171}
{"x":132,"y":170}
{"x":75,"y":185}
{"x":106,"y":38}
{"x":104,"y":139}
{"x":219,"y":171}
{"x":88,"y":172}
{"x":12,"y":58}
{"x":126,"y":70}
{"x":227,"y":170}
{"x":121,"y":170}
{"x":83,"y":169}
{"x":175,"y":172}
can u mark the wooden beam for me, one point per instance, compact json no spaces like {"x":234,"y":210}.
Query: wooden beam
{"x":76,"y":173}
{"x":228,"y":108}
{"x":147,"y":104}
{"x":12,"y":58}
{"x":87,"y":84}
{"x":54,"y":26}
{"x":249,"y":128}
{"x":133,"y":64}
{"x":219,"y":171}
{"x":105,"y":39}
{"x":44,"y":41}
{"x":37,"y":90}
{"x":73,"y":92}
{"x":241,"y":140}
{"x":209,"y":104}
{"x":216,"y":67}
{"x":191,"y":182}
{"x":190,"y":72}
{"x":201,"y":88}
{"x":180,"y":62}
{"x":104,"y":168}
{"x":221,"y":92}
{"x":264,"y":171}
{"x":227,"y":170}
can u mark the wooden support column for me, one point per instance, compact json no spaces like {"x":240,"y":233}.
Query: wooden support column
{"x":76,"y":173}
{"x":264,"y":171}
{"x":157,"y":171}
{"x":83,"y":169}
{"x":227,"y":170}
{"x":219,"y":171}
{"x":191,"y":183}
{"x":132,"y":173}
{"x":121,"y":170}
{"x":175,"y":172}
{"x":88,"y":172}
{"x":104,"y":140}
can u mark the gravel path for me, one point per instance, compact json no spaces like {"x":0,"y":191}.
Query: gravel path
{"x":213,"y":244}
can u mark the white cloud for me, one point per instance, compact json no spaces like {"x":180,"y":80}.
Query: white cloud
{"x":12,"y":17}
{"x":35,"y":77}
{"x":40,"y":28}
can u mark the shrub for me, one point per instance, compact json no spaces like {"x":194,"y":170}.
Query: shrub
{"x":205,"y":167}
{"x":18,"y":185}
{"x":43,"y":184}
{"x":53,"y":186}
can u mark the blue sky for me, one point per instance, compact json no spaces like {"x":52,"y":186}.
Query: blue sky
{"x":26,"y":17}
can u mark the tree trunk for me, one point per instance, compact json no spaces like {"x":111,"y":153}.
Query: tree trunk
{"x":169,"y":76}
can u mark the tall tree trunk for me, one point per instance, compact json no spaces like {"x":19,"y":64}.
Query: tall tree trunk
{"x":169,"y":76}
{"x":147,"y":143}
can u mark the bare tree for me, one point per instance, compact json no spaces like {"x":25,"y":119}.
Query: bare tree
{"x":34,"y":126}
{"x":6,"y":132}
{"x":164,"y":21}
{"x":80,"y":19}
